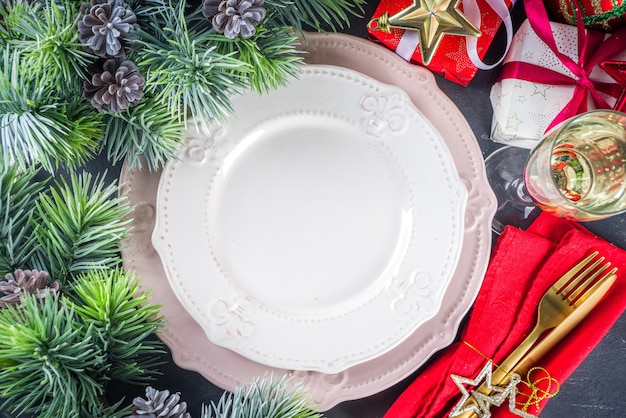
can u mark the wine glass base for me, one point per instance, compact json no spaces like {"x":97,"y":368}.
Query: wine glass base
{"x":505,"y":172}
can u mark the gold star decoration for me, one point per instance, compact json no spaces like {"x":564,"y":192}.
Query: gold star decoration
{"x":499,"y":100}
{"x":481,"y":402}
{"x":432,"y":19}
{"x":513,"y":122}
{"x":541,"y":89}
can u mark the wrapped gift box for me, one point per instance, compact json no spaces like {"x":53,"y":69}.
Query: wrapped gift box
{"x":451,"y":59}
{"x":523,"y":110}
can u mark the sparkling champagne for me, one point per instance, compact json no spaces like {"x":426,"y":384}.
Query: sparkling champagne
{"x":579,"y":169}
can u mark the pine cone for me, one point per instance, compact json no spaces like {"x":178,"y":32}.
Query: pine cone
{"x":106,"y":25}
{"x":234,"y":17}
{"x":159,"y":404}
{"x":115,"y":86}
{"x":20,"y":282}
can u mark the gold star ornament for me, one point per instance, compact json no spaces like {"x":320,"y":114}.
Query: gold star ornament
{"x":432,"y":19}
{"x":480,"y":403}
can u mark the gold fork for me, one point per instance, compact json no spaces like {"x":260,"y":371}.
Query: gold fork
{"x":578,"y":287}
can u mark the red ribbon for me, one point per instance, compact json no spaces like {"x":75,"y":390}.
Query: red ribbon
{"x":592,"y":49}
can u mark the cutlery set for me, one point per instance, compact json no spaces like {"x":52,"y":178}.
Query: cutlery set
{"x":563,"y":306}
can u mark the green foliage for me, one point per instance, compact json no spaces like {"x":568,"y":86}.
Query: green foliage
{"x":265,"y":398}
{"x":271,"y":55}
{"x":183,"y":68}
{"x":81,"y":225}
{"x":121,"y":319}
{"x":190,"y":70}
{"x":315,"y":13}
{"x":48,"y":367}
{"x":11,"y":16}
{"x":48,"y":39}
{"x":57,"y":354}
{"x":36,"y":125}
{"x":43,"y":119}
{"x":65,"y":229}
{"x":18,"y":193}
{"x":148,"y":129}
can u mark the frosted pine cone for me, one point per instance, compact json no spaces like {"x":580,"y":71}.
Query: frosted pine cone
{"x":159,"y":404}
{"x":20,"y":282}
{"x":106,"y":25}
{"x":116,"y":86}
{"x":234,"y":17}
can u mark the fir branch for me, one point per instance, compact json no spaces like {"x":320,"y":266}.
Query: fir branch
{"x":48,"y":368}
{"x":117,"y":410}
{"x":50,"y":47}
{"x":81,"y":225}
{"x":314,"y":13}
{"x":148,"y":129}
{"x":266,"y":397}
{"x":11,"y":14}
{"x":36,"y":125}
{"x":147,"y":11}
{"x":184,"y":70}
{"x":18,"y":193}
{"x":121,"y":320}
{"x":86,"y":125}
{"x":271,"y":55}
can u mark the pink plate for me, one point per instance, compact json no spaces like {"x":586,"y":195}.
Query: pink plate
{"x":192,"y":350}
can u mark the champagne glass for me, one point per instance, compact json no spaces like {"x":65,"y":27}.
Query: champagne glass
{"x":505,"y":172}
{"x":577,"y":171}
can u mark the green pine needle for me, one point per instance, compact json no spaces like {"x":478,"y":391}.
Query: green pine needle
{"x":315,"y":13}
{"x":121,"y":320}
{"x":47,"y":366}
{"x":148,"y":129}
{"x":266,"y":397}
{"x":184,"y":70}
{"x":189,"y":70}
{"x":36,"y":126}
{"x":18,"y":193}
{"x":81,"y":225}
{"x":271,"y":55}
{"x":12,"y":14}
{"x":48,"y":39}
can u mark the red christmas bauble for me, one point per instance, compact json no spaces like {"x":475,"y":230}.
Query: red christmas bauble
{"x":606,"y":15}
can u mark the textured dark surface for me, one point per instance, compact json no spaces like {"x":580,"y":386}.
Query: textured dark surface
{"x":596,"y":389}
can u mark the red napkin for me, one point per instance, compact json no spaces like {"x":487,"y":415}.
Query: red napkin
{"x":523,"y":266}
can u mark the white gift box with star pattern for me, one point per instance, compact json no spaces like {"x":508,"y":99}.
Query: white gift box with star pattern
{"x":523,"y":110}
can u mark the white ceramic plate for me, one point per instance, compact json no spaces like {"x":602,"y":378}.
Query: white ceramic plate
{"x":190,"y":347}
{"x":328,"y":210}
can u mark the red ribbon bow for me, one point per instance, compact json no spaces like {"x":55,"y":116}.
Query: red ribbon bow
{"x":592,"y":49}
